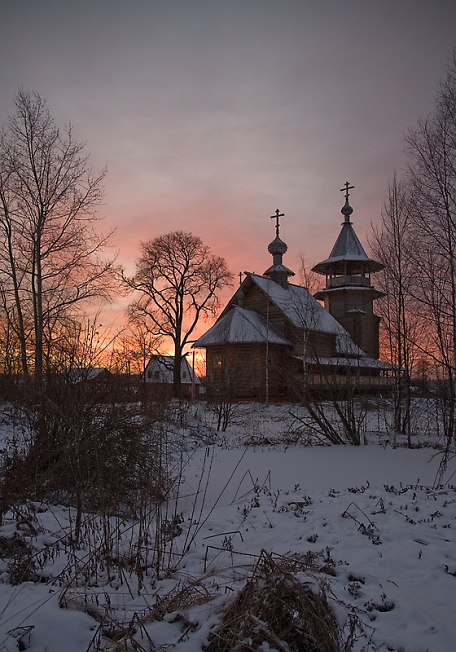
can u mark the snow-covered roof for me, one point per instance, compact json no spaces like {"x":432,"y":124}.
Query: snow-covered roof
{"x":160,"y":370}
{"x":280,"y":269}
{"x":348,"y":248}
{"x":303,"y":311}
{"x":362,"y":362}
{"x":240,"y":325}
{"x":79,"y":374}
{"x":346,"y":346}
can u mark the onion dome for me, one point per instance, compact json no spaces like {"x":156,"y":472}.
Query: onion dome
{"x":277,"y":248}
{"x":346,"y":210}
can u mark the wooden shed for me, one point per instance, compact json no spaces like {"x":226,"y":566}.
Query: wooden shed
{"x":158,"y":376}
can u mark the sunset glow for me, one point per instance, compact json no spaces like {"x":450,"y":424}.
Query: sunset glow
{"x":211,"y":115}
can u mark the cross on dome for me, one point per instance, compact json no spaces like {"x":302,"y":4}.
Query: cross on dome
{"x":278,"y":272}
{"x":276,"y":218}
{"x":347,"y":188}
{"x":347,"y":210}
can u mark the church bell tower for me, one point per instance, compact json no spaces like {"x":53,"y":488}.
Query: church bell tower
{"x":349,"y":294}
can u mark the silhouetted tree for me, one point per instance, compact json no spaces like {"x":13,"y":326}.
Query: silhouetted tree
{"x":49,"y":248}
{"x":178,"y":279}
{"x":417,"y":244}
{"x":432,"y":172}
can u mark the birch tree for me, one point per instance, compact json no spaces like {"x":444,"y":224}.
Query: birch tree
{"x":50,"y":258}
{"x":432,"y":173}
{"x":391,"y":243}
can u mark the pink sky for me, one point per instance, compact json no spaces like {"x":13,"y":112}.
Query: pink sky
{"x":211,"y":114}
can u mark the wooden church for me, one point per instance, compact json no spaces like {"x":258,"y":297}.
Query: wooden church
{"x":274,"y":340}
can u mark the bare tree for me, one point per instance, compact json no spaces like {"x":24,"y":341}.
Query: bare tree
{"x":308,"y":278}
{"x":391,"y":243}
{"x":50,"y":259}
{"x":140,"y":343}
{"x":12,"y":242}
{"x":432,"y":204}
{"x":179,"y":279}
{"x":129,"y":355}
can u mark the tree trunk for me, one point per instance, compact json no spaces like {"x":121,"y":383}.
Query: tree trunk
{"x":177,"y":387}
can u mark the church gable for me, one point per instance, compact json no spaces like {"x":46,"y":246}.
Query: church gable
{"x":259,"y":301}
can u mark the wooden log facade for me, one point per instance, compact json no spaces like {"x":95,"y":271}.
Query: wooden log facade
{"x":238,"y":371}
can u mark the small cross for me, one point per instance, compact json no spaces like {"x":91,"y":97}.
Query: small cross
{"x":240,"y":278}
{"x":347,"y":188}
{"x":276,"y":218}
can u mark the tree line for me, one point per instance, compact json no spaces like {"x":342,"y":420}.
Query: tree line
{"x":77,"y":442}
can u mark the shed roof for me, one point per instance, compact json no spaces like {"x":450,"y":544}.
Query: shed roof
{"x":163,"y":366}
{"x":79,"y":374}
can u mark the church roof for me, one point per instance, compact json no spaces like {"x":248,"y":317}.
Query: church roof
{"x":348,"y":245}
{"x":347,"y":249}
{"x":297,"y":305}
{"x":241,"y":326}
{"x":274,"y":269}
{"x":363,"y":363}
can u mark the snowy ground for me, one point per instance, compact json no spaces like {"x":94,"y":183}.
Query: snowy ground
{"x":380,"y":538}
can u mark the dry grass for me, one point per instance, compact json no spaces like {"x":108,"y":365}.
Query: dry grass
{"x":121,"y":631}
{"x":276,"y":608}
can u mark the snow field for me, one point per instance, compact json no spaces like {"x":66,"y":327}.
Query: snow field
{"x":364,"y":522}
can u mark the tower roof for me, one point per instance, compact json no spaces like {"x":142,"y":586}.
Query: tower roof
{"x":347,"y":249}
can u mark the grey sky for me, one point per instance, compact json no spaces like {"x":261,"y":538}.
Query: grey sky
{"x":211,"y":114}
